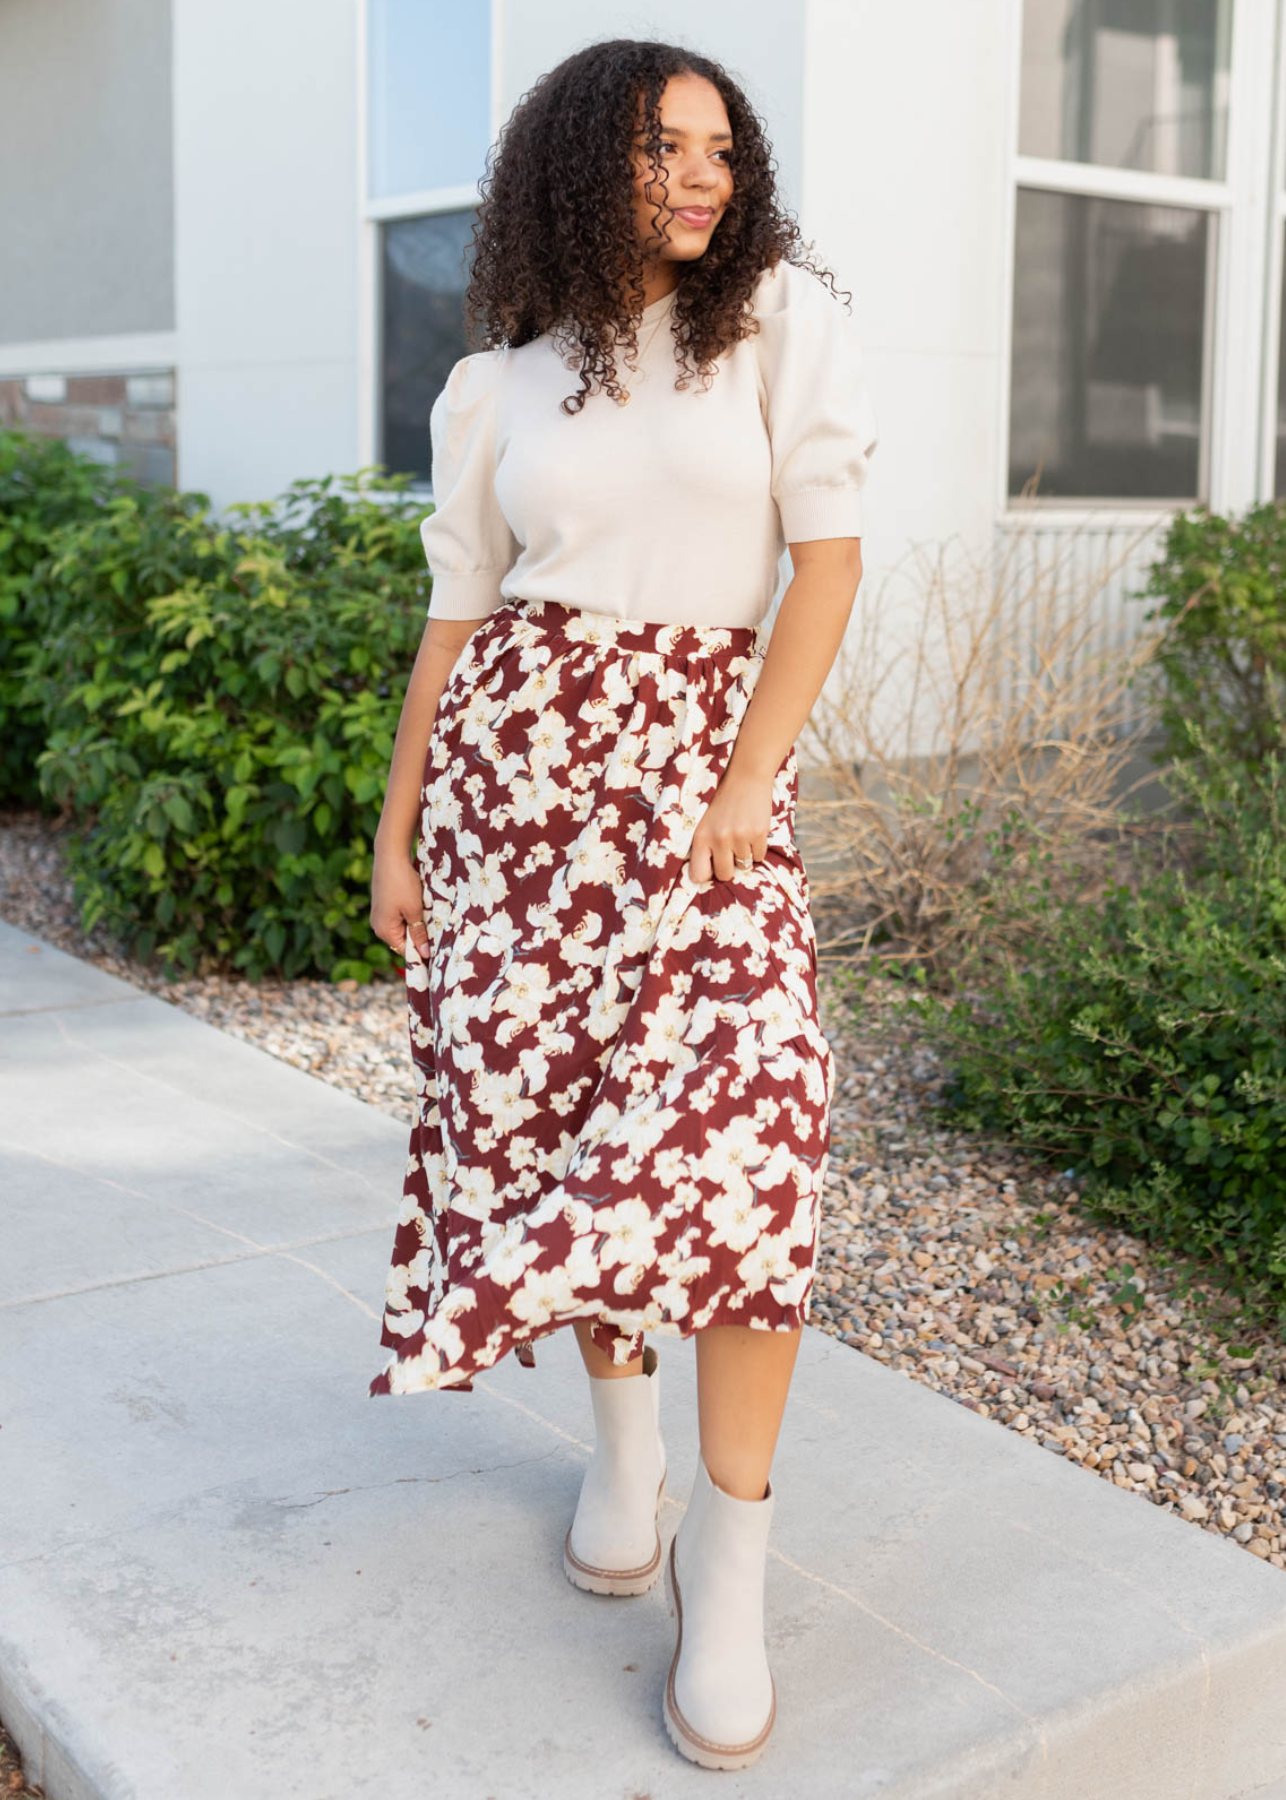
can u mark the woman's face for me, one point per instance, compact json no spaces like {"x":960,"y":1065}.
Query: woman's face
{"x":696,"y":156}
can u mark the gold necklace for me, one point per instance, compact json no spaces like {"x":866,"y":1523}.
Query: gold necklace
{"x":624,"y":394}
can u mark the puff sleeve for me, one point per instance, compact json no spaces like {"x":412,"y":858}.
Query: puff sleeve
{"x":820,"y":419}
{"x":467,"y":539}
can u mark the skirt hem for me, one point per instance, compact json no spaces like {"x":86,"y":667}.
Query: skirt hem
{"x":389,"y":1384}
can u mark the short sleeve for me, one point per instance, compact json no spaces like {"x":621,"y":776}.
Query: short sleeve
{"x":466,"y":538}
{"x":821,"y":422}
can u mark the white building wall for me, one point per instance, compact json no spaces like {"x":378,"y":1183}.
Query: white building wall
{"x":909,"y":115}
{"x":907,"y":129}
{"x":265,"y":111}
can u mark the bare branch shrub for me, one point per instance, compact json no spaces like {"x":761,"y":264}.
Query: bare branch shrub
{"x":975,"y":734}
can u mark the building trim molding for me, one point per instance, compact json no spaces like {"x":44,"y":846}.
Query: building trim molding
{"x":138,"y":352}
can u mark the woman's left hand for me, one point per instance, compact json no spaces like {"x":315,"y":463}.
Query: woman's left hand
{"x":735,"y":824}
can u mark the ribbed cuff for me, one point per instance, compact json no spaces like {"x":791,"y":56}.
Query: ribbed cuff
{"x":822,"y":512}
{"x":465,"y":596}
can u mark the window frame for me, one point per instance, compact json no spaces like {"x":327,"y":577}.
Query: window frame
{"x":373,"y":214}
{"x":1275,"y":270}
{"x":1239,"y":379}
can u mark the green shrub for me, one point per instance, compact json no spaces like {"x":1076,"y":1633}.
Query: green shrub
{"x":1222,"y":587}
{"x":43,"y":484}
{"x":220,"y":700}
{"x":1143,"y":1039}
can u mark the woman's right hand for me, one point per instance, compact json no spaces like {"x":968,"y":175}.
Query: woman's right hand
{"x":397,"y":903}
{"x":397,"y":900}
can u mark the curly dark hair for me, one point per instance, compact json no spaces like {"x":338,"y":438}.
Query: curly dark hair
{"x":555,"y":246}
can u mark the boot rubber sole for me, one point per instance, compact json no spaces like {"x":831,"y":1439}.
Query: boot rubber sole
{"x":702,"y":1750}
{"x":614,"y":1581}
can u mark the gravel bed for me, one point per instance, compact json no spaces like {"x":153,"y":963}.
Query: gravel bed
{"x":963,"y":1264}
{"x":13,"y":1783}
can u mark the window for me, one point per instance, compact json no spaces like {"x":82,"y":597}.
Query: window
{"x":1121,"y":202}
{"x":1127,"y":84}
{"x":427,"y":132}
{"x":1108,"y":346}
{"x":423,"y":276}
{"x":429,"y":111}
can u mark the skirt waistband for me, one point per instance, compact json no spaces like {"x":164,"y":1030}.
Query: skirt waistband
{"x":582,"y":625}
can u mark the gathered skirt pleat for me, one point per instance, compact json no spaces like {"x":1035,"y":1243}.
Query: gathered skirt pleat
{"x":623,"y":1089}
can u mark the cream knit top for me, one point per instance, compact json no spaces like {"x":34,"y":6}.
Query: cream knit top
{"x":676,"y":507}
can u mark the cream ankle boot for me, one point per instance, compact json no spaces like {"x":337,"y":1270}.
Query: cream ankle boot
{"x":612,"y":1544}
{"x":720,"y":1699}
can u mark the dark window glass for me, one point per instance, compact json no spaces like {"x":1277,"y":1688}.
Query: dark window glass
{"x":424,"y":274}
{"x":1108,"y":335}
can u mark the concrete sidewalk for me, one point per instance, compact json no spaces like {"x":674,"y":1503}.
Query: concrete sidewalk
{"x":226,"y":1573}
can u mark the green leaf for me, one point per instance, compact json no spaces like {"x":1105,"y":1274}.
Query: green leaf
{"x":179,"y":811}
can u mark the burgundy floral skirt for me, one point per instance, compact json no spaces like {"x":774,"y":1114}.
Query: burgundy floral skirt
{"x":623,"y":1086}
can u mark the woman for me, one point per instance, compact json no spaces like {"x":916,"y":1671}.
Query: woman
{"x":623,"y":1084}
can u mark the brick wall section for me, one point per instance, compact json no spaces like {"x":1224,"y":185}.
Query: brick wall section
{"x":126,"y":420}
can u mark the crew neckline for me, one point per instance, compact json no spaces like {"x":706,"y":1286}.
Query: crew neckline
{"x":657,"y":306}
{"x":645,"y":318}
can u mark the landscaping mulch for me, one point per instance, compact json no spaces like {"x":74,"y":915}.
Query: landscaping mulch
{"x":963,"y":1264}
{"x":13,"y":1783}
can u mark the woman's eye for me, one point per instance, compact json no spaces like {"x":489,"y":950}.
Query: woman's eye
{"x":669,"y":145}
